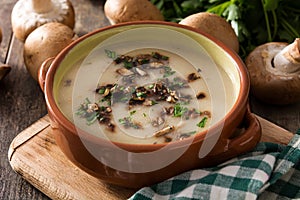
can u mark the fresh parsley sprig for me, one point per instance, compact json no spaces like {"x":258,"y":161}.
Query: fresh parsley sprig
{"x":255,"y":22}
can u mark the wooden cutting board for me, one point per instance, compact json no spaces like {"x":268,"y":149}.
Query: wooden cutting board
{"x":34,"y":155}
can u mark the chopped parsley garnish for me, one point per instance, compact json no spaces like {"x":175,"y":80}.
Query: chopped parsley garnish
{"x":159,"y":56}
{"x":132,"y":112}
{"x":150,"y":86}
{"x":186,"y":135}
{"x":143,"y":61}
{"x":168,"y":71}
{"x":202,"y":123}
{"x":122,"y":121}
{"x":92,"y":118}
{"x":93,"y":112}
{"x":141,"y":94}
{"x":128,"y":122}
{"x":153,"y":102}
{"x":101,"y":90}
{"x":110,"y":54}
{"x":179,"y":110}
{"x":128,"y":65}
{"x":88,"y":111}
{"x":191,"y":133}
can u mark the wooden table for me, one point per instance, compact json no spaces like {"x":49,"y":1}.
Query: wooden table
{"x":22,"y":102}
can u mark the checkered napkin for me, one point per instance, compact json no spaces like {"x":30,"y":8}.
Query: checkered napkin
{"x":270,"y":171}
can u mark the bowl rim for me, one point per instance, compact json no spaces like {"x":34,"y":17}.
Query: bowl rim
{"x":230,"y":115}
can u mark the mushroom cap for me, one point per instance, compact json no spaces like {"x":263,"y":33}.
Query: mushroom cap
{"x":24,"y":19}
{"x":268,"y":83}
{"x":215,"y":26}
{"x":44,"y":42}
{"x":4,"y":68}
{"x":118,"y":11}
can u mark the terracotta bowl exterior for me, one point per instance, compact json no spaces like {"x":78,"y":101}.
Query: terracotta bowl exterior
{"x":227,"y":146}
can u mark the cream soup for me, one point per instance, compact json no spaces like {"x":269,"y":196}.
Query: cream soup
{"x":144,"y":96}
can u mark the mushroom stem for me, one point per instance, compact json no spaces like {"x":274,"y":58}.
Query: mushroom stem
{"x":288,"y":59}
{"x":27,"y":15}
{"x":41,"y":6}
{"x":164,"y":131}
{"x":274,"y":70}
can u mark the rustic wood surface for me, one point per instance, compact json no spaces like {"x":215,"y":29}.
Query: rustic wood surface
{"x":22,"y":102}
{"x":54,"y":174}
{"x":58,"y":178}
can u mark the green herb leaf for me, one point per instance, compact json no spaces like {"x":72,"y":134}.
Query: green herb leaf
{"x":153,"y":102}
{"x":127,"y":122}
{"x":101,"y":90}
{"x":202,"y":123}
{"x":122,"y":121}
{"x":92,"y":118}
{"x":87,"y":101}
{"x":179,"y":110}
{"x":132,"y":112}
{"x":128,"y":65}
{"x":150,"y":86}
{"x":177,"y":8}
{"x":255,"y":22}
{"x":190,"y":133}
{"x":141,"y":94}
{"x":110,"y":54}
{"x":168,"y":71}
{"x":232,"y":12}
{"x":270,"y":5}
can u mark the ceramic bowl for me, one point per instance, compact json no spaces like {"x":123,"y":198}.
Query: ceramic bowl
{"x":235,"y":129}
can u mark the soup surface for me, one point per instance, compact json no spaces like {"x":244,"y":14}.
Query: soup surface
{"x":144,"y":96}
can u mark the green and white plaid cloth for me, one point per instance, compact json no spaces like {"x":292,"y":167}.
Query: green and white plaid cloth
{"x":270,"y":171}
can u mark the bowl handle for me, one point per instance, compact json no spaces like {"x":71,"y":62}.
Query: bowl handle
{"x":247,"y":136}
{"x":43,"y":71}
{"x":243,"y":139}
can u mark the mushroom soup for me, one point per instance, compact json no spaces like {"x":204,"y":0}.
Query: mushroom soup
{"x":144,"y":96}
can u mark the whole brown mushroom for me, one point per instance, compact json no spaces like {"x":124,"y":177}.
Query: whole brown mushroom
{"x":274,"y":70}
{"x":44,"y":42}
{"x":215,"y":26}
{"x":27,"y":15}
{"x":118,"y":11}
